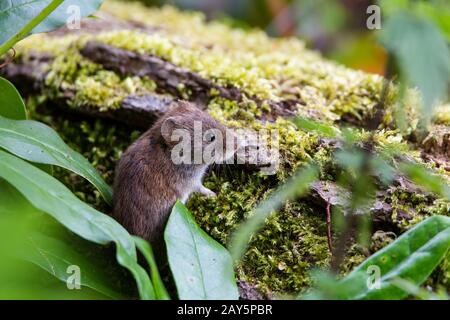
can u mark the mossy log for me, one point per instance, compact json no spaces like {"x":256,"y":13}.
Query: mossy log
{"x":101,"y":86}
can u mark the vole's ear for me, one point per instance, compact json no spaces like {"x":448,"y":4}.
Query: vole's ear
{"x":167,"y":128}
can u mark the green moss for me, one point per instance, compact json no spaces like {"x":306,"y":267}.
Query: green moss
{"x":90,"y":84}
{"x":291,"y":243}
{"x":405,"y":116}
{"x":442,"y":115}
{"x":260,"y":66}
{"x":410,"y":208}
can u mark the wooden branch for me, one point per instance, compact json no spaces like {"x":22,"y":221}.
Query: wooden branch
{"x":28,"y":74}
{"x":167,"y":76}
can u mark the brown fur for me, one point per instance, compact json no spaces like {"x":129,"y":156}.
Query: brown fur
{"x":148,"y":183}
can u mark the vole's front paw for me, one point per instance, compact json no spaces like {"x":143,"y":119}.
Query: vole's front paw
{"x":206,"y":192}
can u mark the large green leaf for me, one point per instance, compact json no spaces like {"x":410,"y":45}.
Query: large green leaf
{"x":412,"y":257}
{"x":146,"y":250}
{"x":56,"y":256}
{"x":11,"y":103}
{"x":50,"y":196}
{"x":21,"y":240}
{"x":14,"y":217}
{"x":14,"y":15}
{"x":422,"y":54}
{"x":202,"y":268}
{"x":36,"y":142}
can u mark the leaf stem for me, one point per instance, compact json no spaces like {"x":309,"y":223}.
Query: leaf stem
{"x":29,"y":26}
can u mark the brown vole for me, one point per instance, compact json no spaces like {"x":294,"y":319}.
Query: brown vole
{"x":150,"y":178}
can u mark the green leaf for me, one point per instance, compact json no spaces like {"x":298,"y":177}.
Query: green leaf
{"x":52,"y":197}
{"x":317,"y":127}
{"x":36,"y":142}
{"x":202,"y":268}
{"x":56,"y":256}
{"x":439,"y":14}
{"x":422,"y":54}
{"x":294,"y":187}
{"x":350,"y":159}
{"x":436,"y":11}
{"x":144,"y":284}
{"x":15,"y":211}
{"x":383,"y":170}
{"x":146,"y":250}
{"x":418,"y":292}
{"x":426,"y":179}
{"x":11,"y":103}
{"x":13,"y":107}
{"x":15,"y":15}
{"x":412,"y":257}
{"x":21,"y":227}
{"x":390,"y":7}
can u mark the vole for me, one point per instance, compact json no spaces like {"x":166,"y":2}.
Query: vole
{"x":158,"y":169}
